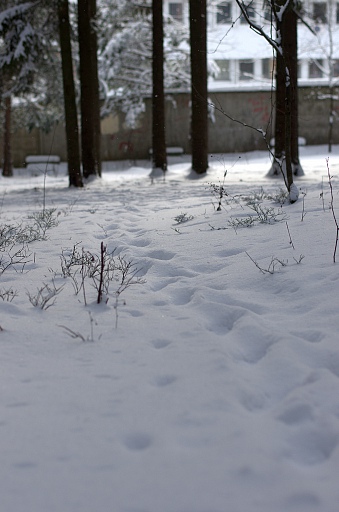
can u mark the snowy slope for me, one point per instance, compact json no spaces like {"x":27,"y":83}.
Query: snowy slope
{"x":219,"y":389}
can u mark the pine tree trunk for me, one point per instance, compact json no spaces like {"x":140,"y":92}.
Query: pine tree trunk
{"x":286,"y":152}
{"x":72,"y":130}
{"x":331,"y":118}
{"x":199,"y":126}
{"x":291,"y":52}
{"x":88,"y":82}
{"x":96,"y":97}
{"x":7,"y":169}
{"x":279,"y":130}
{"x":158,"y":97}
{"x":288,"y":95}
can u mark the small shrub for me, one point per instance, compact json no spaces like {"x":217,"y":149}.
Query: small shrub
{"x":42,"y":222}
{"x":78,"y":335}
{"x":7,"y":295}
{"x":101,"y":270}
{"x":264,"y":215}
{"x":45,"y":296}
{"x":183,"y":217}
{"x":14,"y":257}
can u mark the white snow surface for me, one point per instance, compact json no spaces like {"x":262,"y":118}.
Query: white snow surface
{"x":219,"y":389}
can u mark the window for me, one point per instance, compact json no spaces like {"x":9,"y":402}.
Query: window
{"x":315,"y":69}
{"x":337,"y":13}
{"x":267,"y":66}
{"x":250,"y":9}
{"x":267,"y":11}
{"x":335,"y":68}
{"x":224,"y":12}
{"x":303,"y":11}
{"x":175,"y":10}
{"x":224,"y":66}
{"x":320,"y":12}
{"x":246,"y":70}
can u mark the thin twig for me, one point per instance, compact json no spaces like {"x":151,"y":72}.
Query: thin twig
{"x":332,"y":209}
{"x":102,"y":268}
{"x":289,"y":234}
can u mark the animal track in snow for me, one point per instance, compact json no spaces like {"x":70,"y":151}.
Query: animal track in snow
{"x":137,"y":441}
{"x":140,"y":242}
{"x":225,"y":253}
{"x":164,"y":380}
{"x":135,"y":313}
{"x":333,"y":364}
{"x":295,"y":414}
{"x":312,"y":446}
{"x":143,"y":267}
{"x":161,"y":255}
{"x":25,"y":465}
{"x":15,"y":405}
{"x":302,"y":500}
{"x":181,"y":296}
{"x":221,"y":317}
{"x":161,"y":343}
{"x":252,"y":351}
{"x":254,"y":340}
{"x":105,"y":376}
{"x":252,"y":401}
{"x":309,"y":335}
{"x":161,"y":284}
{"x":159,"y":303}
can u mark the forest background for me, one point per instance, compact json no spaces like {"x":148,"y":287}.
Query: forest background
{"x":97,"y":58}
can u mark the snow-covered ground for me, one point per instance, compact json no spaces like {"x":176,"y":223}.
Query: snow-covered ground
{"x":219,"y":389}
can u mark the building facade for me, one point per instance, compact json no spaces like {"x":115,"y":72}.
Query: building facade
{"x":238,"y":57}
{"x":240,"y":82}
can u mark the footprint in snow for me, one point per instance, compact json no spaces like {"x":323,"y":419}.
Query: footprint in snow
{"x":302,"y":499}
{"x":135,"y":313}
{"x":297,"y":413}
{"x":225,"y":253}
{"x":181,"y":296}
{"x":161,"y":343}
{"x":164,"y":380}
{"x":137,"y":441}
{"x":25,"y":465}
{"x":139,"y":241}
{"x":310,"y":446}
{"x":309,"y":335}
{"x":162,"y":255}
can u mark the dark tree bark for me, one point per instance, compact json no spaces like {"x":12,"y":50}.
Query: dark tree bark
{"x":286,"y":154}
{"x":290,"y":39}
{"x":199,"y":126}
{"x":331,"y":116}
{"x":72,"y":130}
{"x":158,"y":97}
{"x":96,"y":96}
{"x":88,"y":85}
{"x":279,"y":128}
{"x":7,"y":169}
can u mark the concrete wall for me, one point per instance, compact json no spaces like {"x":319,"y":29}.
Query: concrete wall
{"x":225,"y":136}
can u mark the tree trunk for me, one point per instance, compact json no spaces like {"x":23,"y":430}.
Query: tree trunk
{"x":72,"y":130}
{"x":331,"y":118}
{"x":96,"y":95}
{"x":288,"y":132}
{"x":291,"y":52}
{"x":7,"y":169}
{"x":199,"y":126}
{"x":288,"y":95}
{"x":279,"y":129}
{"x":88,"y":81}
{"x":158,"y":97}
{"x":286,"y":151}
